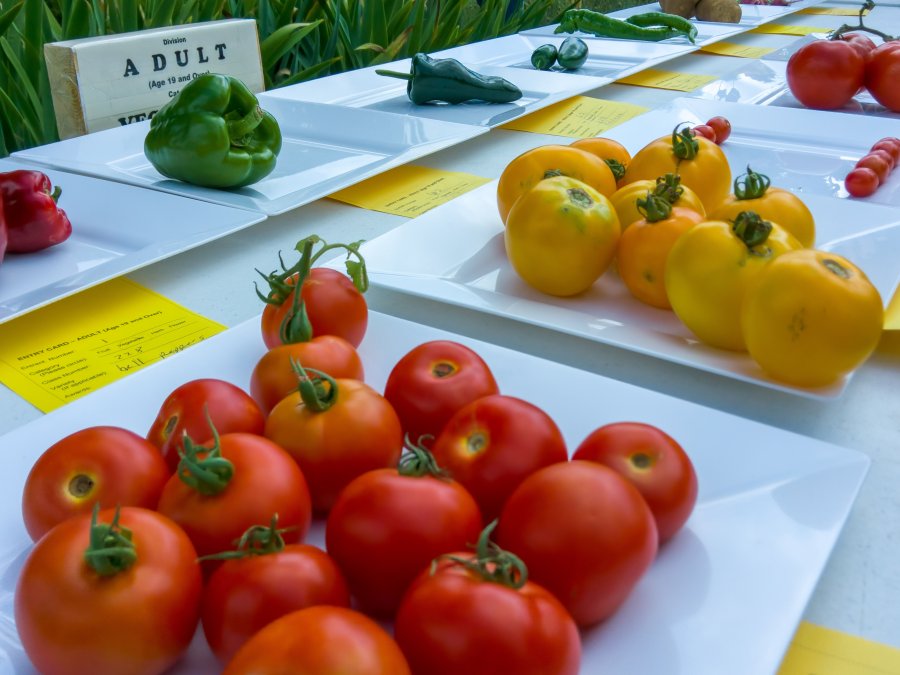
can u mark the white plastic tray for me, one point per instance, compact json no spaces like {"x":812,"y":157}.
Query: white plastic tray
{"x":751,"y":15}
{"x":725,"y":595}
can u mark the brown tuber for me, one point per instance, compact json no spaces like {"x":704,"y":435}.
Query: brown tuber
{"x":722,"y":11}
{"x":682,"y":8}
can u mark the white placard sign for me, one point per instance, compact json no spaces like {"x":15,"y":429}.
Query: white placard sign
{"x":105,"y":82}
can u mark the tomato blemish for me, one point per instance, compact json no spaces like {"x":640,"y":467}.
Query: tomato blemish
{"x":171,"y":423}
{"x":443,"y":369}
{"x":81,"y":486}
{"x":641,"y":460}
{"x":477,"y":442}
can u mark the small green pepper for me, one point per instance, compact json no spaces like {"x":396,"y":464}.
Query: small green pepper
{"x":214,"y":134}
{"x":449,"y":81}
{"x":596,"y":23}
{"x":648,"y":19}
{"x":544,"y":57}
{"x":573,"y":53}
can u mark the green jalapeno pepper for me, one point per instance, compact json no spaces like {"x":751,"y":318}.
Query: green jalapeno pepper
{"x":596,"y":23}
{"x":648,"y":19}
{"x":544,"y":57}
{"x":449,"y":81}
{"x":573,"y":53}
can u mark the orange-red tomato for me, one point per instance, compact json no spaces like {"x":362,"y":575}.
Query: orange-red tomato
{"x":612,"y":152}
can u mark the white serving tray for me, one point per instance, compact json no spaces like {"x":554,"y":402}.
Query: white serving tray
{"x":115,"y":229}
{"x":751,"y":15}
{"x":325,"y":148}
{"x":725,"y":595}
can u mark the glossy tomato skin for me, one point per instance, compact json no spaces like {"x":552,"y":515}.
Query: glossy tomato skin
{"x":722,"y":127}
{"x":877,"y":161}
{"x":860,"y":42}
{"x":333,"y":304}
{"x":320,"y":641}
{"x":434,"y":380}
{"x":585,"y":534}
{"x":825,"y":74}
{"x":138,"y":622}
{"x":109,"y":465}
{"x":624,"y":201}
{"x":266,"y":481}
{"x":385,"y":528}
{"x":706,"y":131}
{"x":654,"y":463}
{"x":184,"y":412}
{"x":861,"y":182}
{"x":882,"y":73}
{"x":273,"y":377}
{"x":246,"y":594}
{"x":891,"y":145}
{"x":492,"y":444}
{"x":777,"y":205}
{"x":451,"y":621}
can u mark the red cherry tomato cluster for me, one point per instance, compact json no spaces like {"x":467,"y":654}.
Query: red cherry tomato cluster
{"x":873,"y":169}
{"x":717,"y":129}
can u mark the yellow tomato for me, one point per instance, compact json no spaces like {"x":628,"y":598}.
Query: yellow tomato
{"x":700,"y":163}
{"x":810,"y":317}
{"x":609,"y":151}
{"x":708,"y":270}
{"x":624,"y":200}
{"x":561,"y":236}
{"x":546,"y":161}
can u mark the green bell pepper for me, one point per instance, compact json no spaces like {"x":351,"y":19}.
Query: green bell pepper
{"x":214,"y":134}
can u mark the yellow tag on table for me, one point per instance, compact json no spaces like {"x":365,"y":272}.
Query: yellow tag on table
{"x":892,"y":314}
{"x":833,"y":11}
{"x":409,"y":190}
{"x":59,"y":353}
{"x":783,"y":29}
{"x":822,"y":651}
{"x":577,"y":117}
{"x":732,"y":49}
{"x":667,"y":79}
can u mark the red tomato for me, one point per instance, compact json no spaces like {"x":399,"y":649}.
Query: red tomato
{"x":884,"y":153}
{"x":274,"y":378}
{"x":706,"y":131}
{"x":323,"y":641}
{"x":434,"y":380}
{"x":721,"y":126}
{"x":825,"y":74}
{"x":333,"y":304}
{"x":264,"y":480}
{"x":184,"y":412}
{"x":891,"y":145}
{"x":860,"y":42}
{"x":877,"y":162}
{"x":105,"y":465}
{"x":336,"y":437}
{"x":584,"y":532}
{"x":882,"y":73}
{"x":136,"y":621}
{"x":492,"y":444}
{"x":861,"y":182}
{"x":654,"y":463}
{"x":246,"y":594}
{"x":387,"y":527}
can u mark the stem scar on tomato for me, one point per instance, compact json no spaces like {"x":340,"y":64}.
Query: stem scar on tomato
{"x":442,"y":369}
{"x":171,"y":423}
{"x":641,"y":460}
{"x":81,"y":486}
{"x":836,"y":268}
{"x":477,"y":442}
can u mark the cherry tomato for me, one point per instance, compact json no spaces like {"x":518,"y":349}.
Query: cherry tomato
{"x":654,"y":463}
{"x":882,"y":72}
{"x":333,"y":304}
{"x":273,"y":377}
{"x":137,"y":620}
{"x":721,"y":126}
{"x":706,"y":131}
{"x":492,"y":444}
{"x":825,"y":74}
{"x":885,"y":154}
{"x":861,"y":182}
{"x":185,"y":411}
{"x":105,"y":465}
{"x":321,"y":640}
{"x":877,"y":163}
{"x":434,"y":380}
{"x":891,"y":145}
{"x":585,"y":534}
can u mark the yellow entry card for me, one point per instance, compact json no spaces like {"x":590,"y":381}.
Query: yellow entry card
{"x":892,"y":313}
{"x":59,"y":353}
{"x":667,"y":79}
{"x":833,"y":11}
{"x":731,"y":49}
{"x":577,"y":117}
{"x":782,"y":29}
{"x":821,"y":651}
{"x":409,"y":190}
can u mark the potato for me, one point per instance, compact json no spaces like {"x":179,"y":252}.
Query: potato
{"x":723,"y":11}
{"x":683,"y":8}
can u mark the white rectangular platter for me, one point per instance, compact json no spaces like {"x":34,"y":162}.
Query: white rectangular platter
{"x":724,"y":595}
{"x":115,"y":229}
{"x":751,"y":15}
{"x":325,"y":148}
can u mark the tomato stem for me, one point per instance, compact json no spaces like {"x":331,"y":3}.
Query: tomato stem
{"x":684,"y":145}
{"x":491,"y":562}
{"x":868,"y":5}
{"x":110,"y":549}
{"x":751,"y":229}
{"x":319,"y":392}
{"x":654,"y":208}
{"x":209,"y":475}
{"x":751,"y":185}
{"x":417,"y":461}
{"x":257,"y":540}
{"x":617,"y":168}
{"x":669,"y":188}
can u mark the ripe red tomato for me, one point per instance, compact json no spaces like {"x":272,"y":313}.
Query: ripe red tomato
{"x":321,"y":640}
{"x":263,"y":480}
{"x":860,"y":42}
{"x":105,"y":465}
{"x":246,"y":594}
{"x":877,"y":162}
{"x":333,"y":304}
{"x":493,"y":443}
{"x":585,"y":534}
{"x":387,"y":527}
{"x":138,"y":620}
{"x":274,"y":378}
{"x":825,"y":74}
{"x":706,"y":131}
{"x":882,"y":73}
{"x":434,"y":380}
{"x":185,"y":410}
{"x":721,"y":126}
{"x":654,"y":463}
{"x":861,"y":182}
{"x":891,"y":145}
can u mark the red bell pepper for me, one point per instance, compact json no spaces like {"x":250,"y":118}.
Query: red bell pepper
{"x":33,"y":220}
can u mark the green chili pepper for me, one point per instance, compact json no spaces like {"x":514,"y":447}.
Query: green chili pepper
{"x":449,"y":81}
{"x":596,"y":23}
{"x":573,"y":53}
{"x":213,"y":133}
{"x":544,"y":57}
{"x":648,"y":19}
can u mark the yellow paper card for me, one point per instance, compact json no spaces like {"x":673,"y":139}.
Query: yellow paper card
{"x":409,"y":190}
{"x":59,"y":353}
{"x":892,"y":313}
{"x":577,"y":117}
{"x":732,"y":49}
{"x":833,"y":11}
{"x":822,"y":651}
{"x":667,"y":79}
{"x":783,"y":29}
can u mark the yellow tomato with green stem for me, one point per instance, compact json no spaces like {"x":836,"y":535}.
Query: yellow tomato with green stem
{"x":709,"y":268}
{"x":810,"y":317}
{"x":610,"y":151}
{"x":561,"y":236}
{"x":669,"y":187}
